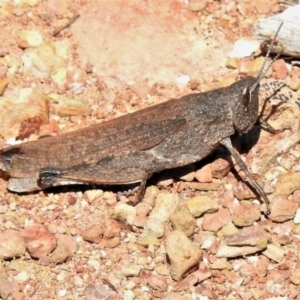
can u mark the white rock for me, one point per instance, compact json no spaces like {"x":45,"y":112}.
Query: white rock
{"x":129,"y":295}
{"x":22,"y":276}
{"x":131,"y":270}
{"x":208,"y":241}
{"x":297,"y":217}
{"x":232,"y":251}
{"x":62,"y":293}
{"x":125,"y":212}
{"x":252,"y":259}
{"x":244,"y":47}
{"x":182,"y":81}
{"x":94,"y":263}
{"x":78,"y":281}
{"x":61,"y":276}
{"x":46,"y":59}
{"x":291,"y":13}
{"x":164,"y":207}
{"x":130,"y":285}
{"x":32,"y":37}
{"x":203,"y":298}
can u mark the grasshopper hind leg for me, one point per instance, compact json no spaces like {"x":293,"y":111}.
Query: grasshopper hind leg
{"x":138,"y":192}
{"x":227,"y":143}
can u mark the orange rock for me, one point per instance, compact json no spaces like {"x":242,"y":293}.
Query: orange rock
{"x":158,"y":282}
{"x":204,"y":175}
{"x":220,"y":168}
{"x":66,"y":247}
{"x":214,"y":222}
{"x":112,"y":229}
{"x":261,"y":266}
{"x":283,"y":210}
{"x":280,"y":69}
{"x":93,"y":233}
{"x":242,"y":191}
{"x":39,"y":240}
{"x":263,"y":7}
{"x":248,"y":236}
{"x":23,"y":113}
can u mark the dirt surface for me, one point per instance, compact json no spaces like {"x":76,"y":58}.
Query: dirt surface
{"x":199,"y":232}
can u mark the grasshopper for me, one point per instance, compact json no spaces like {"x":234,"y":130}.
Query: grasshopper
{"x":129,"y":149}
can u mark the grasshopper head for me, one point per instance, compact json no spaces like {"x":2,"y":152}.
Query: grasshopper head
{"x":245,"y":107}
{"x":246,"y":104}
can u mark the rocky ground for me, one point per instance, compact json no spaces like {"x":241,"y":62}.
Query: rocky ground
{"x":199,"y":232}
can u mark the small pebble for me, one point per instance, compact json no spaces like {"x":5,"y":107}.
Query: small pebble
{"x":129,"y":295}
{"x":183,"y":254}
{"x":200,"y":205}
{"x":11,"y":244}
{"x":131,"y":270}
{"x":274,"y":252}
{"x":62,"y":293}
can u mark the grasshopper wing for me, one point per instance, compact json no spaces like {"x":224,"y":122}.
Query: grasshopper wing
{"x":116,"y":136}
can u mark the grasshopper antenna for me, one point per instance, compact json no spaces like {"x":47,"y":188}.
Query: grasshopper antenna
{"x":265,"y":69}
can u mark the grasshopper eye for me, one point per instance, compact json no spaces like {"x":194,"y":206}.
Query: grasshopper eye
{"x":246,"y":97}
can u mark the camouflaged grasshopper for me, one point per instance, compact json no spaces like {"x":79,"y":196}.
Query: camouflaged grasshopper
{"x":129,"y":149}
